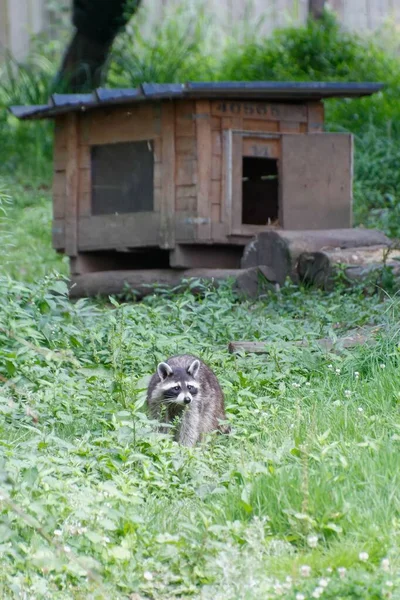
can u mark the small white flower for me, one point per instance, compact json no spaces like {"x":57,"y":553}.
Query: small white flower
{"x":342,"y":572}
{"x":329,"y":570}
{"x":389,"y":583}
{"x":323,"y":582}
{"x":317,"y":592}
{"x":356,"y":374}
{"x":305,"y":571}
{"x":57,"y":532}
{"x":312,"y":541}
{"x":288,"y":579}
{"x":300,"y":597}
{"x":363,"y":556}
{"x":308,"y":383}
{"x":382,"y":366}
{"x":347,"y":393}
{"x":67,"y":549}
{"x":337,"y":371}
{"x":106,"y":539}
{"x":148,"y":576}
{"x":330,"y":366}
{"x":360,"y":409}
{"x":385,"y":564}
{"x":296,"y":385}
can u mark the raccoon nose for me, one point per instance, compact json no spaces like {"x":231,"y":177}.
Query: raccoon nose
{"x":187,"y":400}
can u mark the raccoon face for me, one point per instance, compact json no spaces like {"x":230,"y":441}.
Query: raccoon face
{"x":178,"y":385}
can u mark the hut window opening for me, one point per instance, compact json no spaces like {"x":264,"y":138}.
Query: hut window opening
{"x":260,"y":191}
{"x":122,"y":178}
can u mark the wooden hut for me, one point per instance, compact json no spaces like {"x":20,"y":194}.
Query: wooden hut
{"x":184,"y":175}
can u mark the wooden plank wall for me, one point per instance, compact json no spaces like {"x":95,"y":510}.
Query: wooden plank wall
{"x":190,"y":162}
{"x":249,"y":116}
{"x":103,"y":126}
{"x":357,"y":15}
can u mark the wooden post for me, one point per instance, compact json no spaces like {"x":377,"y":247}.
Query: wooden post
{"x":167,"y":230}
{"x":72,"y":182}
{"x":204,"y":162}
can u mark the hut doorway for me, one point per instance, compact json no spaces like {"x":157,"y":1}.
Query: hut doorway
{"x":260,"y":190}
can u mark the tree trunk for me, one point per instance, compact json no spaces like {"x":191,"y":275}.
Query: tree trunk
{"x":316,"y":8}
{"x":97,"y":23}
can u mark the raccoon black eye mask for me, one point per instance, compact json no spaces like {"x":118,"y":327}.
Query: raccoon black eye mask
{"x":185,"y":386}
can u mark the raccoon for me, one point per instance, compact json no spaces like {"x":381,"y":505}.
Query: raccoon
{"x":186,"y":387}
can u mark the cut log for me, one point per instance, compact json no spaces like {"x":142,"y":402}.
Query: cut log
{"x":280,"y":250}
{"x":250,"y":282}
{"x":357,"y":264}
{"x":353,"y":338}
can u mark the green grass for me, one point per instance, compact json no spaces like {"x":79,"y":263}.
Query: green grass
{"x":314,"y":450}
{"x":95,"y":504}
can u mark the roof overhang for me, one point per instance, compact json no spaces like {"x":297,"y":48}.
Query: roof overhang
{"x":257,"y":90}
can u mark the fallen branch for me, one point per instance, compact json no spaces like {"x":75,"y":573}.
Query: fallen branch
{"x":353,"y":338}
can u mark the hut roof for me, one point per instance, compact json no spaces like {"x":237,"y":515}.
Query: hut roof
{"x":259,"y":90}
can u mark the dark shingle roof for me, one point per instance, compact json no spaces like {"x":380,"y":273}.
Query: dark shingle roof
{"x":257,"y":90}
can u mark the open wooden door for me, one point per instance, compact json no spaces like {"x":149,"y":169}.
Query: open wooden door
{"x":316,"y":173}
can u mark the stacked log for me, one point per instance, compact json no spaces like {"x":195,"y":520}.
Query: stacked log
{"x":318,"y":257}
{"x":140,"y":283}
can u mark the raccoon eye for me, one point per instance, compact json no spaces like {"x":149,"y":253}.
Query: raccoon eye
{"x":177,"y":388}
{"x":190,"y":388}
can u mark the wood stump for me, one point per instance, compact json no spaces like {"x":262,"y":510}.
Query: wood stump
{"x":316,"y":257}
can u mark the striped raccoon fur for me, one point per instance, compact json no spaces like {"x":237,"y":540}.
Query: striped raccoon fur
{"x":186,"y":387}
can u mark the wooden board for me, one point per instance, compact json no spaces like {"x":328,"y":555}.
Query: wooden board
{"x":316,"y":181}
{"x":85,"y":192}
{"x":72,"y":182}
{"x":166,"y":232}
{"x":353,"y":338}
{"x":186,"y":145}
{"x":262,"y":148}
{"x":59,"y":194}
{"x":259,"y":110}
{"x":196,"y":256}
{"x":122,"y":124}
{"x":204,"y":166}
{"x":184,"y":121}
{"x":111,"y":232}
{"x":261,"y":125}
{"x":186,"y":198}
{"x":316,"y":117}
{"x":58,"y":234}
{"x":289,"y":126}
{"x":186,"y":171}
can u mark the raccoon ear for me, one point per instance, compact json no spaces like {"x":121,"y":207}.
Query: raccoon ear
{"x":164,"y":371}
{"x":193,"y":368}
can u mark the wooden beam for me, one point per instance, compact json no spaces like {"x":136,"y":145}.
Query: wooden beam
{"x":72,"y":183}
{"x":204,"y":166}
{"x":167,"y":228}
{"x":355,"y":337}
